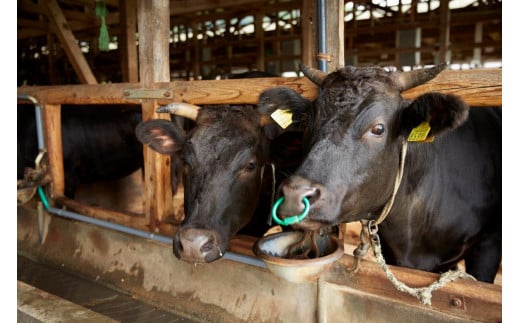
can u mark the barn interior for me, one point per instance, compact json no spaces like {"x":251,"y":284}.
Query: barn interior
{"x":149,"y":53}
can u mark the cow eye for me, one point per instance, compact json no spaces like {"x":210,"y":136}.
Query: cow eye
{"x":251,"y":166}
{"x":378,"y":129}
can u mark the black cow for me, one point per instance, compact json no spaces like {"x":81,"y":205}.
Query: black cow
{"x":227,"y":182}
{"x":448,"y":204}
{"x":99,"y":143}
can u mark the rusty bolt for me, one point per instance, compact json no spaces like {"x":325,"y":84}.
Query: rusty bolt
{"x":126,"y":93}
{"x":167,"y":94}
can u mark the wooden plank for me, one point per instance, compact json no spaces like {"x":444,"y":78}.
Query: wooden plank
{"x":137,"y":222}
{"x":478,"y":87}
{"x":51,"y":115}
{"x":63,"y":31}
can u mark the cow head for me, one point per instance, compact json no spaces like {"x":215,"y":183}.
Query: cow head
{"x":223,"y":156}
{"x":355,"y":132}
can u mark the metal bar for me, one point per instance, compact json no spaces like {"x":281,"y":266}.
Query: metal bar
{"x":322,"y":35}
{"x":147,"y":235}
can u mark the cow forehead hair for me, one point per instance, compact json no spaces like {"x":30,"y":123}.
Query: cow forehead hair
{"x":228,"y":114}
{"x":360,"y":79}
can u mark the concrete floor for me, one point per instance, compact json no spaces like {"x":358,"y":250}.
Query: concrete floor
{"x":87,"y":294}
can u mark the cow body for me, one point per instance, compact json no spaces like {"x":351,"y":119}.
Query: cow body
{"x":98,"y":143}
{"x":448,"y":204}
{"x":227,"y":174}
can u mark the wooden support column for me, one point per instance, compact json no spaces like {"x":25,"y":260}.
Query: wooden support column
{"x":195,"y":56}
{"x":127,"y":39}
{"x":51,"y":115}
{"x":154,"y":66}
{"x":259,"y":34}
{"x":62,"y":29}
{"x":335,"y":13}
{"x":309,"y":23}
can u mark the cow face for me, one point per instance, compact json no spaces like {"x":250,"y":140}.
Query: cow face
{"x":223,"y":157}
{"x":356,"y":129}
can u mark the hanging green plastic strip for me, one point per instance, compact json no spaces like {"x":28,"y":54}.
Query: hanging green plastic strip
{"x":292,"y":219}
{"x":101,"y":12}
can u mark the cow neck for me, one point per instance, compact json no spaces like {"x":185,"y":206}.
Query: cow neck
{"x":397,"y":183}
{"x":369,"y":228}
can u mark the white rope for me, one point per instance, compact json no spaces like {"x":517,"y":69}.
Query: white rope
{"x":369,"y":229}
{"x":423,"y":294}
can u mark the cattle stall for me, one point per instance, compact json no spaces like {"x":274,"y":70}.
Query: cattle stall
{"x":127,"y":247}
{"x":124,"y":260}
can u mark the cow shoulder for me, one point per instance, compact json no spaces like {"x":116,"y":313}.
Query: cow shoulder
{"x":161,"y":135}
{"x":443,"y":112}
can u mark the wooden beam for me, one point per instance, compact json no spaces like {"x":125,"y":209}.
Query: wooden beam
{"x":127,"y":40}
{"x":153,"y":26}
{"x":63,"y":31}
{"x":478,"y":87}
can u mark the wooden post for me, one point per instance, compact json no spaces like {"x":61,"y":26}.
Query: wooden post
{"x":309,"y":23}
{"x":127,"y":39}
{"x":154,"y":66}
{"x":51,"y":115}
{"x":259,"y":34}
{"x":335,"y":31}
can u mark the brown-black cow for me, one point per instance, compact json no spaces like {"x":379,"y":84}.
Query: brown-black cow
{"x":226,"y":158}
{"x":448,"y":204}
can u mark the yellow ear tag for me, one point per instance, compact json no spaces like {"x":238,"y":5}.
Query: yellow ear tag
{"x":283,"y":117}
{"x":420,"y":133}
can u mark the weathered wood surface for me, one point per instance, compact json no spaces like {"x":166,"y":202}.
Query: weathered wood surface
{"x":51,"y":114}
{"x":153,"y":26}
{"x":478,"y":87}
{"x":464,"y":299}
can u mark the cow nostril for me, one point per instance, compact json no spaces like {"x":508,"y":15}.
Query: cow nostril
{"x":313,"y":195}
{"x":208,"y":246}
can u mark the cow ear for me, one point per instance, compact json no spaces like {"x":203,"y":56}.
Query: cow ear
{"x":282,"y":109}
{"x":161,"y":135}
{"x":443,"y":112}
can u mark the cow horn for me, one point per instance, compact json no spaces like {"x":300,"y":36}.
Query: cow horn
{"x":315,"y":75}
{"x":408,"y":80}
{"x":185,"y":110}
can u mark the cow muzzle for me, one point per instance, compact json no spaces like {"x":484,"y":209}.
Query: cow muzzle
{"x":197,"y":245}
{"x":296,"y":193}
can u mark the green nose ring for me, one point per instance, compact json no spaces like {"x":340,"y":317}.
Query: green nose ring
{"x":292,"y":219}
